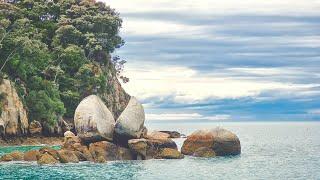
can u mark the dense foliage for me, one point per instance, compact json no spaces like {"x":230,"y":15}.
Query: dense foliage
{"x":56,"y":52}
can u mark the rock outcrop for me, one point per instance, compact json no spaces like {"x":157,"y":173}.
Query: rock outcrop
{"x":221,"y":141}
{"x":116,"y":99}
{"x":67,"y":156}
{"x":105,"y":151}
{"x":150,"y":148}
{"x":93,"y":120}
{"x":35,"y":128}
{"x":13,"y":118}
{"x":130,"y":123}
{"x":47,"y":159}
{"x":31,"y":155}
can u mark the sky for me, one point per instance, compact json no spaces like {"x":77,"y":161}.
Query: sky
{"x":228,"y":60}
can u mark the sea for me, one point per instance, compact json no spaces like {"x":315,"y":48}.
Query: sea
{"x":270,"y":150}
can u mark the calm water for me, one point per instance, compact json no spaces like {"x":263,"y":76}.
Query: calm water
{"x":277,"y":150}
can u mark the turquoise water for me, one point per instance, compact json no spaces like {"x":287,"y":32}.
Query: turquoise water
{"x":275,"y":150}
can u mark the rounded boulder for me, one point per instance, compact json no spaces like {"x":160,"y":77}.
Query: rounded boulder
{"x":130,"y":123}
{"x":221,"y":141}
{"x":93,"y":121}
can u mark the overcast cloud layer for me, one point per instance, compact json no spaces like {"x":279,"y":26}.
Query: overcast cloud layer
{"x":223,"y":60}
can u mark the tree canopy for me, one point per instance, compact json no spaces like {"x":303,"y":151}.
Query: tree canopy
{"x":56,"y":52}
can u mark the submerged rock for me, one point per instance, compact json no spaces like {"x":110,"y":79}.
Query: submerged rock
{"x":93,"y":121}
{"x":130,"y":123}
{"x":221,"y":141}
{"x":168,"y":153}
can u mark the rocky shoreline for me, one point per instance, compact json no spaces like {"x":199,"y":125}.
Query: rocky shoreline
{"x":99,"y":138}
{"x":32,"y":141}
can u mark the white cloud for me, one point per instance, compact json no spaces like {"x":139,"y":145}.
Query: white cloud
{"x":314,"y":111}
{"x":294,"y":7}
{"x":188,"y":86}
{"x":187,"y":116}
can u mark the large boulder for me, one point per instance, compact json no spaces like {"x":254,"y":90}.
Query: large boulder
{"x":35,"y":128}
{"x":149,"y":148}
{"x":221,"y":141}
{"x":93,"y":121}
{"x":130,"y":123}
{"x":13,"y":115}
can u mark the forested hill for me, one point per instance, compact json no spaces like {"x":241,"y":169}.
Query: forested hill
{"x":56,"y":52}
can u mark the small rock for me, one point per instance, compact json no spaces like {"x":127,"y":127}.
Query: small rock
{"x":17,"y":155}
{"x":172,"y":134}
{"x":158,"y":135}
{"x":31,"y":155}
{"x":50,"y":151}
{"x":6,"y":158}
{"x":69,"y":140}
{"x":204,"y":152}
{"x":47,"y":159}
{"x":168,"y":153}
{"x":66,"y":156}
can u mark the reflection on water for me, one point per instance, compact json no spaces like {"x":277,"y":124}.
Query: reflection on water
{"x":269,"y":151}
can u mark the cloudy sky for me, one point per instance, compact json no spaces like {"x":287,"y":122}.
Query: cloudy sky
{"x":223,"y":60}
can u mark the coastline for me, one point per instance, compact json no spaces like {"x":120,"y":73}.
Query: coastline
{"x":32,"y":141}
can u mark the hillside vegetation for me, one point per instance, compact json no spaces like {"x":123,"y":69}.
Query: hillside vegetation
{"x":57,"y":52}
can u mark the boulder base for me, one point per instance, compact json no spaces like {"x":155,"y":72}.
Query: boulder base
{"x":204,"y":152}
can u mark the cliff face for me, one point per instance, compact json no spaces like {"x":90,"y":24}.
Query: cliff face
{"x":13,"y":119}
{"x":116,"y":97}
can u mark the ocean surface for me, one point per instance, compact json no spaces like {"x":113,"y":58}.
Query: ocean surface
{"x":270,"y":150}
